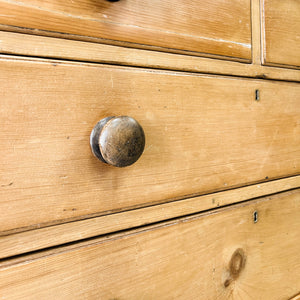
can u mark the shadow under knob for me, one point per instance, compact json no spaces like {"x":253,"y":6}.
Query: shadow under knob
{"x":118,"y":141}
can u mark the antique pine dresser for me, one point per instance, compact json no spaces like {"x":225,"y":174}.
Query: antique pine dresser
{"x":150,"y":149}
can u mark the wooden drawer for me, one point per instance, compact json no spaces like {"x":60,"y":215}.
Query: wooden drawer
{"x":203,"y":134}
{"x":248,"y":251}
{"x":214,"y":27}
{"x":281,"y":28}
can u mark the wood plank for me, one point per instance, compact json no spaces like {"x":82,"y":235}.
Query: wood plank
{"x":219,"y":255}
{"x":218,"y":27}
{"x":23,"y":242}
{"x":256,"y":32}
{"x":38,"y":46}
{"x":281,"y":32}
{"x":224,"y":139}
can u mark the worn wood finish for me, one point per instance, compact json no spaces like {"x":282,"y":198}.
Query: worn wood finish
{"x":204,"y":133}
{"x":214,"y":27}
{"x":118,"y":141}
{"x":28,"y":241}
{"x":30,"y":45}
{"x":218,"y":255}
{"x":281,"y":32}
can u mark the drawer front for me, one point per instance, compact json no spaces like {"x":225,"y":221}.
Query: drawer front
{"x":203,"y":134}
{"x":223,"y":255}
{"x":214,"y":27}
{"x":281,"y":32}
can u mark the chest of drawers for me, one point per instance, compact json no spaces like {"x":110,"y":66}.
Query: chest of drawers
{"x":215,"y":88}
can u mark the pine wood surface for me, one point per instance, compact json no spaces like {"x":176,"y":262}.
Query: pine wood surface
{"x":256,"y":32}
{"x":32,"y":240}
{"x":206,"y":138}
{"x":203,"y":134}
{"x":214,"y":27}
{"x":223,"y":254}
{"x":281,"y":32}
{"x":59,"y":48}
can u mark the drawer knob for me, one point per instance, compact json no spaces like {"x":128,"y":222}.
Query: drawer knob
{"x":118,"y":141}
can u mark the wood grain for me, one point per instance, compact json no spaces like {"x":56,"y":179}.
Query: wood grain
{"x":37,"y":239}
{"x":281,"y":32}
{"x":219,"y":255}
{"x":256,"y":32}
{"x":214,"y":27}
{"x":39,"y":46}
{"x":203,"y":134}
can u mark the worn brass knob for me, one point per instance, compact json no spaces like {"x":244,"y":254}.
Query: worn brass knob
{"x":118,"y":141}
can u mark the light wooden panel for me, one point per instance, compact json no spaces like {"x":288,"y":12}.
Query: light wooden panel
{"x":40,"y":46}
{"x":219,"y":255}
{"x":256,"y":32}
{"x":281,"y":32}
{"x":32,"y":240}
{"x":214,"y":27}
{"x":203,"y":134}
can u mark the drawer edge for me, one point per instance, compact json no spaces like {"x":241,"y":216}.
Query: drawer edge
{"x":59,"y":48}
{"x":206,"y":243}
{"x":37,"y":239}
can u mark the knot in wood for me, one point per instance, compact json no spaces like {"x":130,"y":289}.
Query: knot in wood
{"x":237,"y":263}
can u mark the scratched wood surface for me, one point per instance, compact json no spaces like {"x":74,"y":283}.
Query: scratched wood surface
{"x":281,"y":32}
{"x":214,"y":27}
{"x":32,"y":240}
{"x":203,"y":134}
{"x":225,"y":254}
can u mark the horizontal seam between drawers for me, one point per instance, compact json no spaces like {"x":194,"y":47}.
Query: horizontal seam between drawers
{"x":54,"y":60}
{"x":65,"y":247}
{"x":136,"y":208}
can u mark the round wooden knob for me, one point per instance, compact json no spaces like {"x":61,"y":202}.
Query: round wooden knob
{"x":118,"y":141}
